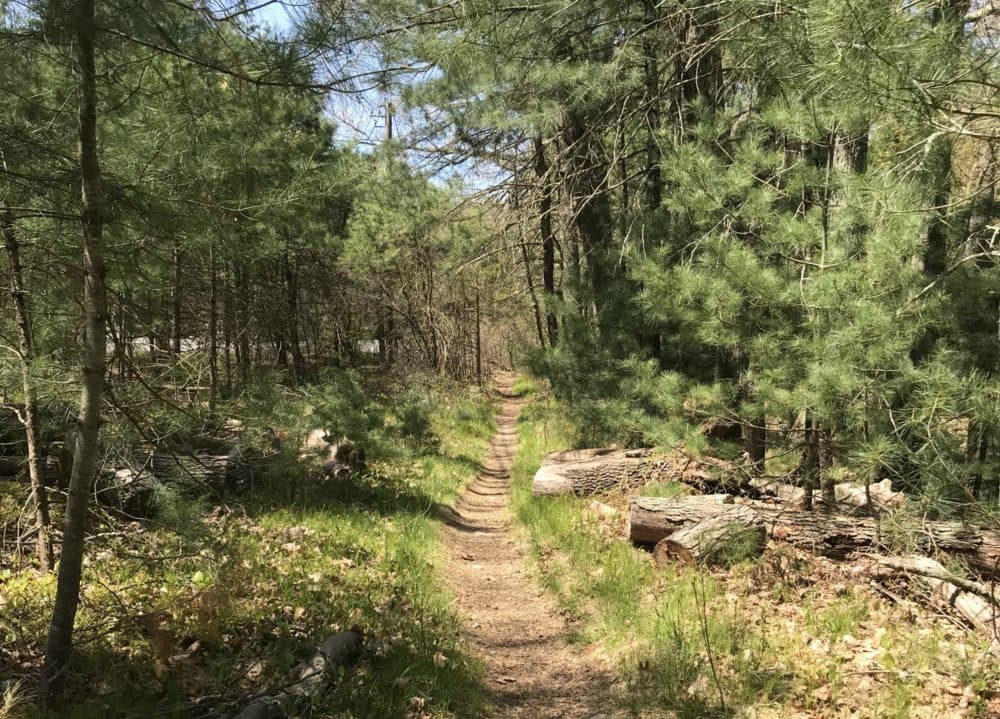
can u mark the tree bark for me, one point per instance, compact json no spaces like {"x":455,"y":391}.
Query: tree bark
{"x":593,"y":471}
{"x":60,"y":639}
{"x":881,"y":495}
{"x":651,"y":72}
{"x":652,"y":519}
{"x":592,"y":216}
{"x":26,"y":350}
{"x":534,"y":295}
{"x":701,"y":541}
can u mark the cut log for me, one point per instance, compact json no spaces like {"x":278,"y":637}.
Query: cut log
{"x":653,"y":519}
{"x":199,"y":470}
{"x":593,"y":471}
{"x":882,"y":495}
{"x":968,"y":599}
{"x":708,"y":540}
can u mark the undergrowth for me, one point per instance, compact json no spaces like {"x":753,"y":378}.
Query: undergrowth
{"x":765,"y":637}
{"x":214,"y":602}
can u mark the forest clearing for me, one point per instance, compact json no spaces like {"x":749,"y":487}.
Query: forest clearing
{"x":478,"y":358}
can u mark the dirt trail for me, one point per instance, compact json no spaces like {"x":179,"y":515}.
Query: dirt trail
{"x":510,"y":623}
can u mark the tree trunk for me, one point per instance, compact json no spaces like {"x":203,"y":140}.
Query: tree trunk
{"x":592,"y":216}
{"x":534,"y":296}
{"x":176,"y":300}
{"x":479,"y":341}
{"x":652,"y":519}
{"x":755,"y":443}
{"x":213,"y":331}
{"x":879,"y":495}
{"x":60,"y":639}
{"x":227,"y":331}
{"x":26,"y":350}
{"x":548,"y":241}
{"x":651,"y":71}
{"x":808,"y":470}
{"x":243,"y":344}
{"x":292,"y":321}
{"x":592,"y":471}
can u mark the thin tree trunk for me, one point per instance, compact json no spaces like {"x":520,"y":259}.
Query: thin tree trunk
{"x":294,"y":345}
{"x":539,"y":328}
{"x":548,"y":242}
{"x":176,"y":331}
{"x":26,"y":349}
{"x":213,"y":331}
{"x":479,"y":341}
{"x":60,"y":639}
{"x":227,"y":332}
{"x":651,"y":70}
{"x":243,"y":346}
{"x":809,"y":468}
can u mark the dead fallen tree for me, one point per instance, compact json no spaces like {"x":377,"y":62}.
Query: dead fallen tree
{"x":133,"y":484}
{"x":653,"y":519}
{"x":312,"y":678}
{"x":970,"y":600}
{"x":593,"y":471}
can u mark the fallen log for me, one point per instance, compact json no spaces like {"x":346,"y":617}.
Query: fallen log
{"x":968,"y":599}
{"x":707,"y":540}
{"x":883,"y":497}
{"x":653,"y":519}
{"x":311,"y":678}
{"x":593,"y":471}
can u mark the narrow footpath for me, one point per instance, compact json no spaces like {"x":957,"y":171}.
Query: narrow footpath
{"x":512,"y":625}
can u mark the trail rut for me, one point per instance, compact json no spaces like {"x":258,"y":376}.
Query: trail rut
{"x":532,"y":671}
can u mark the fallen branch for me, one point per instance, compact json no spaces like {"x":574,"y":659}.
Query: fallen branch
{"x":312,"y":677}
{"x":971,"y":600}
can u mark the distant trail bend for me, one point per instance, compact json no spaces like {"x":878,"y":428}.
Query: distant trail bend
{"x":533,"y":672}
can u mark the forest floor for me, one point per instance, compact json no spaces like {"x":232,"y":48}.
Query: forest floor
{"x":515,"y":628}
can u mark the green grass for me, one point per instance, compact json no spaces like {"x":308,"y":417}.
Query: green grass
{"x":199,"y":606}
